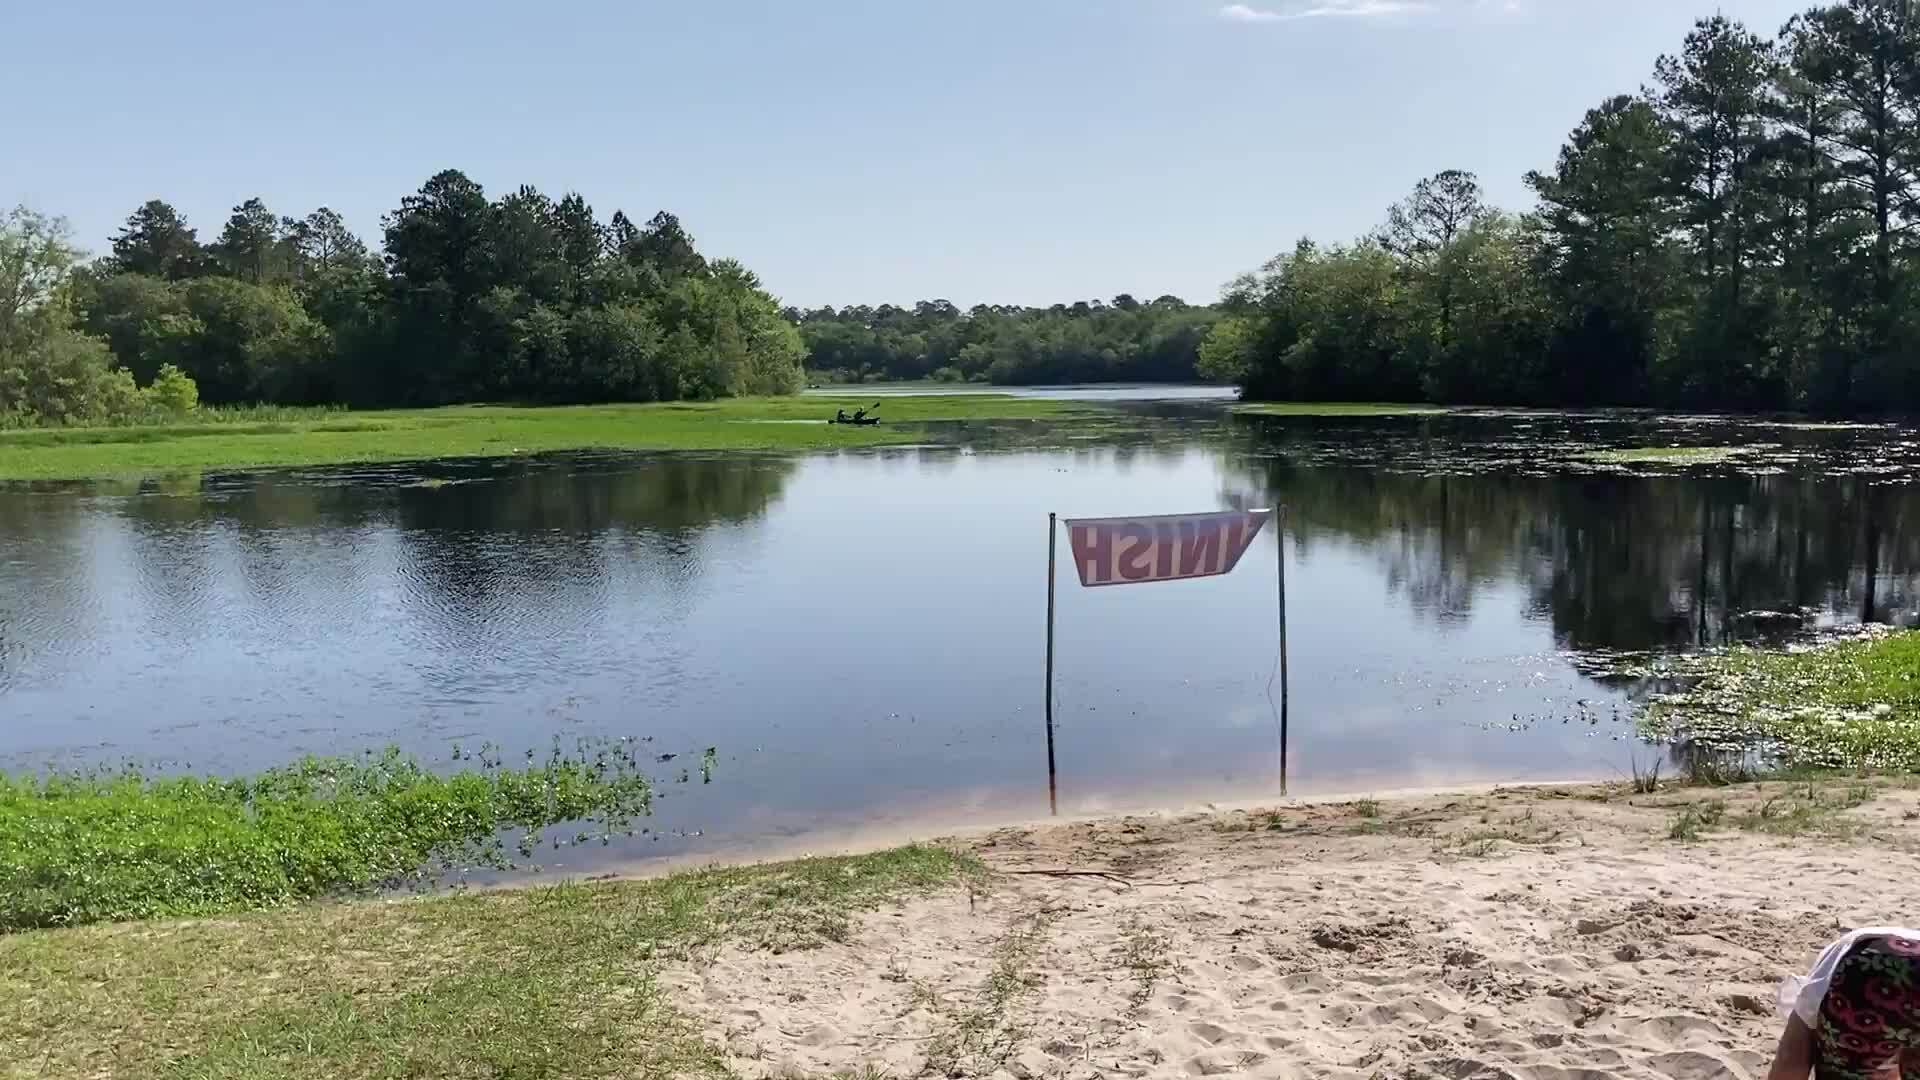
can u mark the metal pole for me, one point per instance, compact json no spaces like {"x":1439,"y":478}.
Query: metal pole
{"x":1280,"y":546}
{"x":1053,"y":776}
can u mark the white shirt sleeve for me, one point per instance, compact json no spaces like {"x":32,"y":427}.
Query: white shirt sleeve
{"x":1802,"y":995}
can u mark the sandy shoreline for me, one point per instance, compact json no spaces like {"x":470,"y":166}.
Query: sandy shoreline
{"x":964,"y":826}
{"x":1527,"y":932}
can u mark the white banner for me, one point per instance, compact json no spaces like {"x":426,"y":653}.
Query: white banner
{"x":1133,"y":551}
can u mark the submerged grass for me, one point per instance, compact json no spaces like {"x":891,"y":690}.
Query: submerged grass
{"x":1666,"y":455}
{"x":1851,"y":704}
{"x":108,"y":846}
{"x":273,"y":437}
{"x":550,"y":982}
{"x":1335,"y":408}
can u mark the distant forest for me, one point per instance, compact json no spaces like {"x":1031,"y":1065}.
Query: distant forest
{"x":1124,"y":340}
{"x":1738,"y":235}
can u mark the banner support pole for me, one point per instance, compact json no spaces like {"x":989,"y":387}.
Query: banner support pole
{"x":1280,"y":547}
{"x":1053,"y":776}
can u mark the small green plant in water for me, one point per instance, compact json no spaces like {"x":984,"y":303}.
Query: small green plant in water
{"x":114,"y":845}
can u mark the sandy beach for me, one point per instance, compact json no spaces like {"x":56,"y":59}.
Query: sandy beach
{"x":1530,"y":932}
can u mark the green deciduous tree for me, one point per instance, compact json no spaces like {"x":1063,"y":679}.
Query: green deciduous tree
{"x":172,"y":393}
{"x":36,"y":257}
{"x":252,"y":343}
{"x":143,"y":319}
{"x":49,"y":371}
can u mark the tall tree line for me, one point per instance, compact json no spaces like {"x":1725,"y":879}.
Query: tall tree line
{"x":1738,"y":235}
{"x":1124,"y":340}
{"x":523,"y":297}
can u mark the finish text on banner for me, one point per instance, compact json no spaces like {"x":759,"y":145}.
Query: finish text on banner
{"x":1133,"y":551}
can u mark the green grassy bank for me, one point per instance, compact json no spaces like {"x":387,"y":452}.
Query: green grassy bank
{"x":104,"y":846}
{"x":1852,"y":704}
{"x":199,"y":927}
{"x":233,"y":441}
{"x":548,"y":982}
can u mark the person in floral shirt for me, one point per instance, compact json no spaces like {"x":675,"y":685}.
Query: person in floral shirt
{"x":1856,"y":1015}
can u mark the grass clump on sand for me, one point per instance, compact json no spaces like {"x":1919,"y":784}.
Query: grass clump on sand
{"x":107,"y":846}
{"x":1851,"y":704}
{"x":977,"y":1037}
{"x":1809,"y":808}
{"x":550,"y":982}
{"x":1693,"y":819}
{"x":243,"y":439}
{"x":1146,"y":953}
{"x":1334,"y":408}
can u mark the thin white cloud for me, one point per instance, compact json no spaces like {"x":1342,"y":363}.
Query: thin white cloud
{"x":1325,"y":9}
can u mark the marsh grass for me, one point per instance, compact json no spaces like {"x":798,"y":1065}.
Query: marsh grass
{"x":114,"y":845}
{"x":269,"y":437}
{"x":206,"y":417}
{"x":550,"y":982}
{"x":1336,"y":408}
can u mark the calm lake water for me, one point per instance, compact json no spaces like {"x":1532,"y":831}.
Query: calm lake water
{"x":860,"y":635}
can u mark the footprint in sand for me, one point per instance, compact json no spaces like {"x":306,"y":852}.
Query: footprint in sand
{"x":1692,"y":1065}
{"x":821,"y":1035}
{"x":1306,"y":982}
{"x":1224,"y":1066}
{"x":1210,"y":1034}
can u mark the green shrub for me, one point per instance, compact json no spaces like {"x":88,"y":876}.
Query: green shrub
{"x":172,"y":392}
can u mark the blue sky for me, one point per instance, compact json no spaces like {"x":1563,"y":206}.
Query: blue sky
{"x":851,"y":151}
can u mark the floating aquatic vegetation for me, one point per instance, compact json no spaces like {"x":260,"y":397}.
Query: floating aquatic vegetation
{"x":1852,"y":702}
